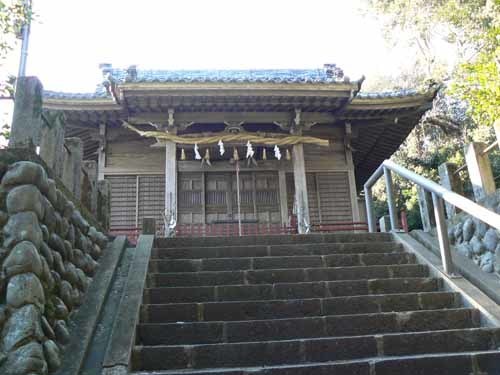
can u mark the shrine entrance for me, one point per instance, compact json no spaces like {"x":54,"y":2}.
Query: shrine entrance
{"x":208,"y":201}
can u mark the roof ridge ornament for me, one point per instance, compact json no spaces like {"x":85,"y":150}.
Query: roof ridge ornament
{"x":333,"y":71}
{"x":131,"y":74}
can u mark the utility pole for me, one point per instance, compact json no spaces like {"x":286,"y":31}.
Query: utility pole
{"x":25,"y":35}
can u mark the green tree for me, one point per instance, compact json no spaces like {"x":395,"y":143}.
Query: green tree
{"x":469,"y":100}
{"x":13,"y":15}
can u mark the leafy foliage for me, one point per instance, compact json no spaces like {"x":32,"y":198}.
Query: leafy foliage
{"x":13,"y":15}
{"x":469,"y":101}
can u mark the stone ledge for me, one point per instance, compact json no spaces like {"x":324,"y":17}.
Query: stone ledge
{"x":123,"y":336}
{"x":83,"y":323}
{"x":489,"y":283}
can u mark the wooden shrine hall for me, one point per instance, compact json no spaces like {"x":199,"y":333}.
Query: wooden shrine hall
{"x":237,"y":151}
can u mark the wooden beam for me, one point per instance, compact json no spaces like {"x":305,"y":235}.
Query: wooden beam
{"x":350,"y":171}
{"x":279,"y":118}
{"x":283,"y":198}
{"x":101,"y":152}
{"x":301,"y":198}
{"x":203,"y":198}
{"x":170,"y":182}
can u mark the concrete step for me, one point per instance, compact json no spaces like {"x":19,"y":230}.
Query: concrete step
{"x":269,"y":353}
{"x":466,"y":363}
{"x":272,"y":239}
{"x":189,"y":333}
{"x":275,"y":250}
{"x":281,"y":309}
{"x":285,"y":275}
{"x":309,"y":261}
{"x":319,"y":289}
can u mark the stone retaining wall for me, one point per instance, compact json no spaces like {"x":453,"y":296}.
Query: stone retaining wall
{"x":49,"y":254}
{"x":475,"y":239}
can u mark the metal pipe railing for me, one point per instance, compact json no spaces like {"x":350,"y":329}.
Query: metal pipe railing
{"x":439,"y":195}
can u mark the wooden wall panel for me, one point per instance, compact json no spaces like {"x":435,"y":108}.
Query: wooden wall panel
{"x":151,"y":198}
{"x":328,"y":196}
{"x":334,"y":195}
{"x":318,"y":158}
{"x":127,"y":152}
{"x":123,"y":201}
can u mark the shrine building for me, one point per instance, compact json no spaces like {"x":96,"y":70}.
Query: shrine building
{"x":237,"y":151}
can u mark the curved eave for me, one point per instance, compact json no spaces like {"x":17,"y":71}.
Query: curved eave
{"x":177,"y":87}
{"x":81,"y":104}
{"x":361,"y":103}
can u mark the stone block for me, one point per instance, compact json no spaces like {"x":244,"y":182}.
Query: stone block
{"x":451,"y":181}
{"x":385,"y":223}
{"x":23,"y":325}
{"x":27,"y":119}
{"x":28,"y":359}
{"x":26,"y":173}
{"x":24,"y":258}
{"x":52,"y":142}
{"x":25,"y":289}
{"x":22,"y":226}
{"x":480,"y":172}
{"x":72,"y":166}
{"x":25,"y":198}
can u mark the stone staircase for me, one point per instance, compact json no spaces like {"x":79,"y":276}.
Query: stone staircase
{"x":296,"y":305}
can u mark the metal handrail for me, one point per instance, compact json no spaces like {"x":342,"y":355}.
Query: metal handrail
{"x":439,"y":195}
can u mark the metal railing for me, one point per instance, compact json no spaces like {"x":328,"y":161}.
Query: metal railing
{"x":439,"y":195}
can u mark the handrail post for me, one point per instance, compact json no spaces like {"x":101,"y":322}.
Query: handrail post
{"x":442,"y":232}
{"x":390,"y":199}
{"x":370,"y":214}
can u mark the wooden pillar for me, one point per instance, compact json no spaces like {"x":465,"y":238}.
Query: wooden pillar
{"x":101,"y":153}
{"x":170,"y":184}
{"x":451,"y":181}
{"x":479,"y":167}
{"x":301,"y":199}
{"x":351,"y":175}
{"x":283,"y":198}
{"x":426,"y":209}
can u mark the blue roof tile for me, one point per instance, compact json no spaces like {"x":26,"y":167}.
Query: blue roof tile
{"x":311,"y":76}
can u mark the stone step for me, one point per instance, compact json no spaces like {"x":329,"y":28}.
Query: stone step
{"x":269,"y":353}
{"x":282,"y":309}
{"x":310,"y":261}
{"x":319,"y":289}
{"x":271,"y":239}
{"x":189,"y":333}
{"x":285,"y":275}
{"x":466,"y":363}
{"x":275,"y":250}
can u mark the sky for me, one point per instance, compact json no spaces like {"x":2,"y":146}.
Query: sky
{"x":71,"y":37}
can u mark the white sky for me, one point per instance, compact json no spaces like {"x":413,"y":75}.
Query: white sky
{"x":73,"y":36}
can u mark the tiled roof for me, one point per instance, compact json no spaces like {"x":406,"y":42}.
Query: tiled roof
{"x":258,"y":76}
{"x":99,"y":93}
{"x":387,"y":94}
{"x":328,"y":75}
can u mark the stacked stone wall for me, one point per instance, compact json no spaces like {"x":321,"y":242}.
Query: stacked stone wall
{"x":475,"y":239}
{"x":48,"y":257}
